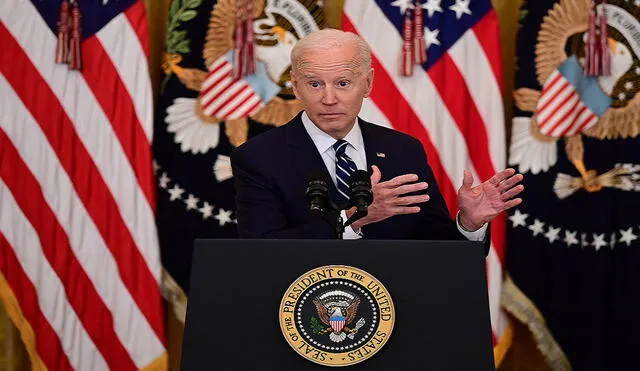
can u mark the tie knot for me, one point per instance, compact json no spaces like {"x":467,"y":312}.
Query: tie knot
{"x":340,"y":146}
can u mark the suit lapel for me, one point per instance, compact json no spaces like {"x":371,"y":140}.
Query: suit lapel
{"x":372,"y":146}
{"x":304,"y":154}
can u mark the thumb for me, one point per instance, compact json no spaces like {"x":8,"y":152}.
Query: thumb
{"x":467,"y":181}
{"x":376,"y":176}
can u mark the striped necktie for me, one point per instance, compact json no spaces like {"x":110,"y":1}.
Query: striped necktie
{"x":344,"y":168}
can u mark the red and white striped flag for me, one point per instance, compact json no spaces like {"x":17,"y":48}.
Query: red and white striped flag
{"x":571,"y":102}
{"x":227,"y":97}
{"x":452,"y":103}
{"x":79,"y":259}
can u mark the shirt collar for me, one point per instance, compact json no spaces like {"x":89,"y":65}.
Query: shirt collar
{"x":324,"y":141}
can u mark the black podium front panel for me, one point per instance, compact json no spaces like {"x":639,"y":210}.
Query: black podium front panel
{"x":438,"y":288}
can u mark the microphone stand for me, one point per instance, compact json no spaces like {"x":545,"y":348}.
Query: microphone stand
{"x":334,"y":218}
{"x":340,"y":224}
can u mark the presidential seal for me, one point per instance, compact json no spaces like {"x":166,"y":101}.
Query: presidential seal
{"x":336,"y":315}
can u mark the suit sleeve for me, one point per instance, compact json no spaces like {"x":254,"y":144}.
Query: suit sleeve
{"x":260,"y":207}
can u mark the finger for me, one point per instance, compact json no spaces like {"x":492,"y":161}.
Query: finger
{"x":402,"y":210}
{"x":400,"y":180}
{"x":512,"y":192}
{"x":411,"y":200}
{"x":467,"y":181}
{"x":504,"y":174}
{"x":408,"y":188}
{"x":508,"y":183}
{"x":511,"y":203}
{"x":376,"y":176}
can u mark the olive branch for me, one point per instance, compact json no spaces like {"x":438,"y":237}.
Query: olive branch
{"x":180,"y":11}
{"x":176,"y":41}
{"x":316,"y":326}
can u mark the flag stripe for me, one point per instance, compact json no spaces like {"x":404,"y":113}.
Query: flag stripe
{"x":487,"y":35}
{"x":248,"y":108}
{"x":127,"y":179}
{"x":584,"y":110}
{"x":556,"y":93}
{"x":47,"y":343}
{"x":85,"y":240}
{"x":223,"y":96}
{"x":83,"y":299}
{"x":230,"y":98}
{"x":589,"y":120}
{"x":217,"y":80}
{"x":551,"y":83}
{"x":550,"y":88}
{"x":370,"y":112}
{"x":477,"y":72}
{"x":114,"y":99}
{"x":137,"y":17}
{"x":456,"y":97}
{"x":88,"y":182}
{"x":237,"y":103}
{"x":213,"y":89}
{"x":566,"y":116}
{"x":121,"y":44}
{"x":556,"y":108}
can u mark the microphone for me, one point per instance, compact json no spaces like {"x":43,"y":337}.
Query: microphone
{"x":361,"y":193}
{"x":318,"y":194}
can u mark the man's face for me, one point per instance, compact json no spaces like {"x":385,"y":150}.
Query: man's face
{"x":331,"y":85}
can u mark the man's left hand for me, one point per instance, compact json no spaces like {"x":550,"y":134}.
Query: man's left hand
{"x":481,"y":204}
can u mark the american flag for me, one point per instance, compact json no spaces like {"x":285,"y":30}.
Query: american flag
{"x":452,"y":103}
{"x":79,"y":259}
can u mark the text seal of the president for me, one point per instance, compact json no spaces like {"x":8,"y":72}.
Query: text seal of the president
{"x":336,"y":315}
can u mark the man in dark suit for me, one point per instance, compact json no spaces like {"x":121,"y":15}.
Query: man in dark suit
{"x":331,"y":75}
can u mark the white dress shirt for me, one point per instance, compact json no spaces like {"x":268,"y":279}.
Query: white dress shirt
{"x":355,"y":150}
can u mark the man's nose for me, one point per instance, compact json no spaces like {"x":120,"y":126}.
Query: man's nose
{"x":329,"y":95}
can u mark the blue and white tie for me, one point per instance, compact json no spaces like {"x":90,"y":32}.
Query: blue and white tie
{"x":344,"y":168}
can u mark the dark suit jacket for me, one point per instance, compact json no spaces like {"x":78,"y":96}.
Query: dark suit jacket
{"x":272,"y":170}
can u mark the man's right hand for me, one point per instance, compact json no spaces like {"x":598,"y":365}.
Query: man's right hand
{"x":389,"y":198}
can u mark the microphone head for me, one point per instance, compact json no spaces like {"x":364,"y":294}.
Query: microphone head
{"x":359,"y":177}
{"x":318,"y":182}
{"x":317,"y":193}
{"x":361,"y":193}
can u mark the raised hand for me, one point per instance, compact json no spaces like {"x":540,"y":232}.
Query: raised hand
{"x":389,"y":197}
{"x":481,"y":204}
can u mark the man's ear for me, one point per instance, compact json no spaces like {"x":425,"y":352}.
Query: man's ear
{"x":294,"y":84}
{"x":369,"y":82}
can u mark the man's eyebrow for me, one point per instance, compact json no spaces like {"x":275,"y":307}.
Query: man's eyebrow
{"x":347,"y":76}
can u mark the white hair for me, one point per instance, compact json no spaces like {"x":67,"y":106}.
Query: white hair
{"x":327,"y":39}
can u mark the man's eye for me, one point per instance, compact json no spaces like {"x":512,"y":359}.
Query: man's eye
{"x":314,"y":84}
{"x":344,"y":83}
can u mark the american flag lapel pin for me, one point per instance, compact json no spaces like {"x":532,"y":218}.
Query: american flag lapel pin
{"x":381,"y":154}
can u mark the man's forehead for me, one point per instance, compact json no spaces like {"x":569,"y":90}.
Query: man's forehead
{"x":328,"y":72}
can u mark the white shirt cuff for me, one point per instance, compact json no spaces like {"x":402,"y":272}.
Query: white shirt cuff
{"x":349,"y":233}
{"x":477,"y":235}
